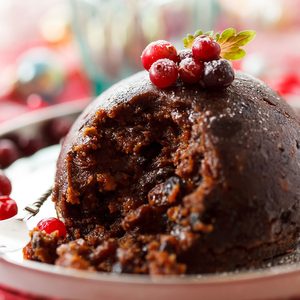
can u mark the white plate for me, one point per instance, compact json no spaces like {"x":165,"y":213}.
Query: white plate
{"x":31,"y":177}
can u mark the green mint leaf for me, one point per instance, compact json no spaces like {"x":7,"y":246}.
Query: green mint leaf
{"x":188,"y":41}
{"x":209,"y":33}
{"x":217,"y":36}
{"x":244,"y":37}
{"x":235,"y":54}
{"x":226,"y":34}
{"x":231,"y":42}
{"x":197,"y":33}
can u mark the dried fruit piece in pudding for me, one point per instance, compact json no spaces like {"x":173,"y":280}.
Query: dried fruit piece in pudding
{"x":191,"y":71}
{"x":158,"y":50}
{"x":163,"y":73}
{"x":50,"y":225}
{"x":8,"y":207}
{"x":205,"y":48}
{"x":218,"y":73}
{"x":5,"y":184}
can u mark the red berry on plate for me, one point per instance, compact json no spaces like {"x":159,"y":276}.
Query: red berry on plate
{"x":8,"y":152}
{"x":5,"y":184}
{"x":163,"y":73}
{"x":185,"y":53}
{"x":50,"y":225}
{"x":205,"y":48}
{"x":158,"y":50}
{"x":191,"y":71}
{"x":218,"y":73}
{"x":8,"y":207}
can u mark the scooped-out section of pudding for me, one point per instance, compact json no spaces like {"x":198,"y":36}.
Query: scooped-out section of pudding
{"x":174,"y":181}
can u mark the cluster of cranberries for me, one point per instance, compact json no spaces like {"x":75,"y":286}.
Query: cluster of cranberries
{"x":8,"y":206}
{"x":200,"y":65}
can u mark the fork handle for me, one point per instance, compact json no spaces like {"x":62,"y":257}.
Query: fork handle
{"x":34,"y":208}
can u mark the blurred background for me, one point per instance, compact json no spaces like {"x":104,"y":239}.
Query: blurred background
{"x":56,"y":51}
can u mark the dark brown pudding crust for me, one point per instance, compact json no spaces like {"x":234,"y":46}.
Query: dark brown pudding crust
{"x":174,"y":181}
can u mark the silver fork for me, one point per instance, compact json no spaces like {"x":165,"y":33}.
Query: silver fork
{"x":14,"y":231}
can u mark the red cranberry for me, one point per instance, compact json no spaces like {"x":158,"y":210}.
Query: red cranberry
{"x":185,"y":53}
{"x":205,"y":48}
{"x":158,"y":50}
{"x":50,"y":225}
{"x":5,"y":184}
{"x":163,"y":73}
{"x":190,"y":71}
{"x":8,"y":152}
{"x":8,"y":207}
{"x":218,"y":73}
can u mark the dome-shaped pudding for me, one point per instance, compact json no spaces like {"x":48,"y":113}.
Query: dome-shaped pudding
{"x":180,"y":180}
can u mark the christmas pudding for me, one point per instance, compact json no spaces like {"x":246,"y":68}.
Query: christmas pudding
{"x":164,"y":176}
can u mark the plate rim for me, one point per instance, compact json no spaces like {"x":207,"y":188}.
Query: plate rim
{"x":195,"y":279}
